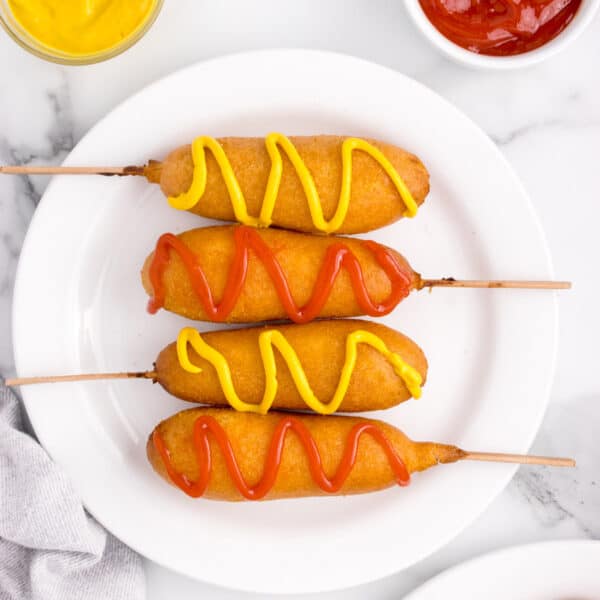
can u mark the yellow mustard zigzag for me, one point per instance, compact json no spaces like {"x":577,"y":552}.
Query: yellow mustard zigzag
{"x":273,"y":141}
{"x":270,"y":339}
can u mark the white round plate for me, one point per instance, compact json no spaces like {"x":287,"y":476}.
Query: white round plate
{"x":566,"y":570}
{"x":80,"y":307}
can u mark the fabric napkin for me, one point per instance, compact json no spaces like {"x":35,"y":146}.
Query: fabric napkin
{"x":50,"y":548}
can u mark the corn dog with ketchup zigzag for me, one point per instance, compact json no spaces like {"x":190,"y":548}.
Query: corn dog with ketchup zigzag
{"x":226,"y":455}
{"x":238,"y":274}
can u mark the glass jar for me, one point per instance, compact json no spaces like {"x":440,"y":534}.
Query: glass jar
{"x":20,"y":35}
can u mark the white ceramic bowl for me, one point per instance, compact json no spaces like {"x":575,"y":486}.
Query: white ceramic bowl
{"x":580,"y":21}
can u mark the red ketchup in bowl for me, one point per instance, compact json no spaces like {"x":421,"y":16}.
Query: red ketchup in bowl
{"x":500,"y":27}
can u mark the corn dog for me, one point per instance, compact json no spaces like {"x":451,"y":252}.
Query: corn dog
{"x":322,"y":183}
{"x":324,"y":366}
{"x":237,"y":274}
{"x":226,"y":455}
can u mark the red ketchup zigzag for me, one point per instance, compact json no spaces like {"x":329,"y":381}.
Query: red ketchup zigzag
{"x":338,"y":257}
{"x":205,"y":425}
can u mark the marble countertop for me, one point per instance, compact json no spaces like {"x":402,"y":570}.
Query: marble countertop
{"x":546,"y":121}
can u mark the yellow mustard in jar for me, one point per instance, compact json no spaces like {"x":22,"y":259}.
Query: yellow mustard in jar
{"x":81,"y":27}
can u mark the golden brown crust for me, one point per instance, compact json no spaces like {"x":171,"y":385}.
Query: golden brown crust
{"x":300,"y":256}
{"x":321,"y":349}
{"x":251,"y":435}
{"x":375,"y":202}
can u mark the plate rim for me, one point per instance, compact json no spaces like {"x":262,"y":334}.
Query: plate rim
{"x":268,"y":54}
{"x":434,"y":582}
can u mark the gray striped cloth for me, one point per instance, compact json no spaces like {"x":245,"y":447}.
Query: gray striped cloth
{"x":50,"y":548}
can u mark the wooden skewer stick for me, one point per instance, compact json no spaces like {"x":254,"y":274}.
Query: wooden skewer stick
{"x":522,"y":459}
{"x":27,"y":170}
{"x":496,"y":283}
{"x":84,"y":377}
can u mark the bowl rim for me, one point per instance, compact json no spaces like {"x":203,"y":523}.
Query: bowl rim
{"x":583,"y":17}
{"x":85,"y":59}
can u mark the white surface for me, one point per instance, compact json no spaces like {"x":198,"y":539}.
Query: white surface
{"x":546,"y":121}
{"x":562,"y":570}
{"x":82,"y":242}
{"x":581,"y":21}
